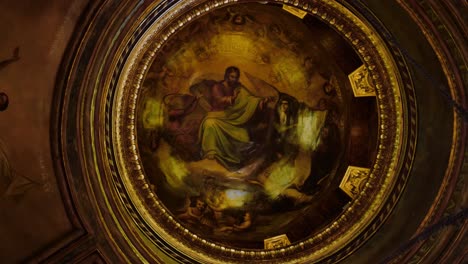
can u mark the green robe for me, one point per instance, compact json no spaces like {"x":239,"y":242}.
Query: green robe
{"x":223,"y":134}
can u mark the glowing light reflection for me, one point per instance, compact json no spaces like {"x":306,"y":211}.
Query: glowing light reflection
{"x":237,"y":198}
{"x":153,"y":114}
{"x":173,"y":168}
{"x":309,"y":125}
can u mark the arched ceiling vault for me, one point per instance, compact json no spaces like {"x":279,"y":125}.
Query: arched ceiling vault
{"x":339,"y":137}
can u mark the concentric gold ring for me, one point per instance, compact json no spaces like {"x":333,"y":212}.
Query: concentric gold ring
{"x":355,"y":224}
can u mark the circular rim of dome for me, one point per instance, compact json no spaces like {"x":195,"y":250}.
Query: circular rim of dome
{"x":116,"y":103}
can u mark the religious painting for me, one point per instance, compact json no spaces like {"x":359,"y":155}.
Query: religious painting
{"x":242,"y":120}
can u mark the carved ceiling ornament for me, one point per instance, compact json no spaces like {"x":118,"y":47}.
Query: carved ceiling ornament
{"x":354,"y":181}
{"x":132,"y":124}
{"x":361,"y":82}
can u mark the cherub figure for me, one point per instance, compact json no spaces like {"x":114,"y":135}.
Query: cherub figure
{"x":243,"y":225}
{"x":193,"y":213}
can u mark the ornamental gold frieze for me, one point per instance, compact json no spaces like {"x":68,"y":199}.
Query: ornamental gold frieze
{"x":142,"y":106}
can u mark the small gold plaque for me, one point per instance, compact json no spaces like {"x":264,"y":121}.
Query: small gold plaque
{"x":295,"y":11}
{"x":361,"y":83}
{"x":276,"y":242}
{"x":354,"y":180}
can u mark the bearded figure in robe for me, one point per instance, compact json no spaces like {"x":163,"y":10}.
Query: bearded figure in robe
{"x":223,"y":133}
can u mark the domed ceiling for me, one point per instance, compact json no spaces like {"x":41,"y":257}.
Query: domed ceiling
{"x":228,"y":131}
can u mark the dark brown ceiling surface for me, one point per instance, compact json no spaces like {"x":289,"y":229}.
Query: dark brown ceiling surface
{"x":69,"y":194}
{"x":34,"y":218}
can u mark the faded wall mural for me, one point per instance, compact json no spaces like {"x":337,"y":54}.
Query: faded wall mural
{"x":242,"y":115}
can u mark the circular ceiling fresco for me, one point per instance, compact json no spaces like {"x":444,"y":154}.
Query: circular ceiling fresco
{"x":231,"y":132}
{"x":239,"y":117}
